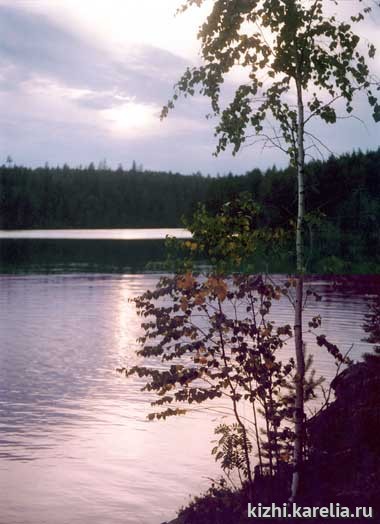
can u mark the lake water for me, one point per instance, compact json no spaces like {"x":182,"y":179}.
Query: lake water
{"x":94,"y":234}
{"x":84,"y":250}
{"x":75,"y":445}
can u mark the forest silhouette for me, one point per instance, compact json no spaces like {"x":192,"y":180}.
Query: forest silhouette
{"x":343,"y":195}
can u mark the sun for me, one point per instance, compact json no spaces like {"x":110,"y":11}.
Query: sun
{"x":132,"y":118}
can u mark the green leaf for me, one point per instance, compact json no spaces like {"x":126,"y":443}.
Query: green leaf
{"x":376,"y":113}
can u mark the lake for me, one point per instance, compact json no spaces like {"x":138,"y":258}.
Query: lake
{"x":94,"y":234}
{"x":84,"y":250}
{"x":75,"y":443}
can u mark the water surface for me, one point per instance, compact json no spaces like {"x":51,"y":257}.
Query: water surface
{"x":95,"y":234}
{"x":84,"y":250}
{"x":75,"y":445}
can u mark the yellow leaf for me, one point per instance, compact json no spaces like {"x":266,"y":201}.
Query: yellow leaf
{"x":200,"y":298}
{"x":217,"y":286}
{"x":186,"y":281}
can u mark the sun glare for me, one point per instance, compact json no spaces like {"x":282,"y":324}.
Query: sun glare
{"x":132,"y":118}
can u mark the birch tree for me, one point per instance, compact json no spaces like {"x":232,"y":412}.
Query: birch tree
{"x":303,"y":62}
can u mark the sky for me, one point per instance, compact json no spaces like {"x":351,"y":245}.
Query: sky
{"x":84,"y":81}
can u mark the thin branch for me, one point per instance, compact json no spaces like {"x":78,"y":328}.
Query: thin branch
{"x":319,"y":141}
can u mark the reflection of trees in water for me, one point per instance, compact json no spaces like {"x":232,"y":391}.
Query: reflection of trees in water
{"x":31,"y":255}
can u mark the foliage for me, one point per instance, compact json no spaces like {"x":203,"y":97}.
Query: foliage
{"x":372,"y":327}
{"x":230,"y":449}
{"x":228,"y":239}
{"x":216,"y":334}
{"x":219,"y":505}
{"x":215,"y":338}
{"x":305,"y":50}
{"x":297,"y":44}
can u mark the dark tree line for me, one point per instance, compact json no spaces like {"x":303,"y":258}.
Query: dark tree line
{"x":344,"y":194}
{"x":63,"y":197}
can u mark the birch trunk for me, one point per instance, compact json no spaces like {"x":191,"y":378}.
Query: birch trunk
{"x":299,"y":346}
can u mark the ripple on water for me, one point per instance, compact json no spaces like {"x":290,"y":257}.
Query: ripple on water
{"x":75,"y":443}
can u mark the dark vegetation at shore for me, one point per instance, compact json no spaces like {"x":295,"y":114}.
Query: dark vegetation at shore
{"x":343,"y":196}
{"x":343,"y":464}
{"x":345,"y":189}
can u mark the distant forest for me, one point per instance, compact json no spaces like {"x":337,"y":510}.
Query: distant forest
{"x":345,"y":189}
{"x":344,"y":192}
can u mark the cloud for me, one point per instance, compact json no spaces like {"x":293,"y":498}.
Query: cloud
{"x":37,"y":47}
{"x":66,"y":99}
{"x":60,"y":77}
{"x":69,"y":95}
{"x":32,"y":45}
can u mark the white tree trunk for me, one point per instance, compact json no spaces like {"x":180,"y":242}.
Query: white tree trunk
{"x":299,"y":346}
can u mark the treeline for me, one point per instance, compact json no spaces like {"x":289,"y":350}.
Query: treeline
{"x":344,"y":192}
{"x":95,"y":198}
